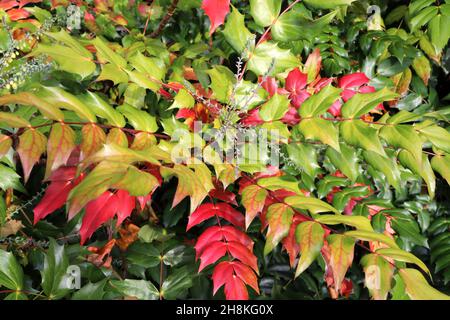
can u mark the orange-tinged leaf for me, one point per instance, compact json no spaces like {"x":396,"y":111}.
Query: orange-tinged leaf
{"x":26,"y":98}
{"x":309,"y":235}
{"x":313,"y":65}
{"x":341,"y":256}
{"x":241,"y":252}
{"x":143,"y":140}
{"x":279,"y":217}
{"x":188,"y":185}
{"x":117,"y":136}
{"x":31,"y":147}
{"x":253,"y":199}
{"x":5,"y":144}
{"x":93,"y":137}
{"x":60,"y":145}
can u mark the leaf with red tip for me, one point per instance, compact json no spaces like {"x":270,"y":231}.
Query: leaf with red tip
{"x":5,"y":144}
{"x":125,"y":205}
{"x":216,"y":10}
{"x":235,"y":289}
{"x":98,"y":211}
{"x":212,"y":253}
{"x":313,"y":65}
{"x":93,"y":139}
{"x":341,"y":256}
{"x":209,"y":210}
{"x":309,"y":236}
{"x":353,"y":80}
{"x":31,"y":147}
{"x":60,"y":145}
{"x":279,"y":217}
{"x":63,"y":180}
{"x":241,"y":252}
{"x":8,"y":4}
{"x":253,"y":199}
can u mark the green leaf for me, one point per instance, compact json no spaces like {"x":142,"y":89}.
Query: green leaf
{"x":425,"y":171}
{"x":439,"y":31}
{"x":319,"y":103}
{"x":241,"y":40}
{"x":441,"y":164}
{"x":341,"y":256}
{"x":359,"y":222}
{"x":102,"y":109}
{"x":422,"y":18}
{"x":361,"y":134}
{"x":11,"y":273}
{"x":387,"y":166}
{"x":275,"y":108}
{"x":183,"y":99}
{"x":10,"y":179}
{"x":327,"y":4}
{"x":404,"y":256}
{"x":283,"y":182}
{"x":176,"y":284}
{"x":140,"y":289}
{"x":321,"y":130}
{"x":378,"y":275}
{"x":265,"y":12}
{"x":91,"y":291}
{"x":438,"y":136}
{"x":269,"y":59}
{"x":346,"y":161}
{"x":304,"y":156}
{"x":327,"y":183}
{"x":314,"y":205}
{"x":105,"y":54}
{"x":68,"y":59}
{"x":371,"y":236}
{"x":417,"y":286}
{"x":140,"y":120}
{"x":362,"y":103}
{"x":309,"y":236}
{"x":279,"y":218}
{"x":55,"y":280}
{"x":64,"y":99}
{"x":286,"y":26}
{"x":222,"y":82}
{"x":403,"y":136}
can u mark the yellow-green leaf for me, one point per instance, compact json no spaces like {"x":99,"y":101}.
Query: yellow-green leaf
{"x":417,"y":286}
{"x":341,"y":256}
{"x":312,"y":204}
{"x":402,"y":255}
{"x":60,"y":145}
{"x":279,"y":217}
{"x":27,"y":98}
{"x":32,"y":145}
{"x":359,"y":222}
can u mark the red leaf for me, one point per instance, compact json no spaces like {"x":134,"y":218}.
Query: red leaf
{"x":8,"y":4}
{"x":252,"y":118}
{"x":241,"y":252}
{"x":17,"y":14}
{"x":125,"y":205}
{"x":229,"y":273}
{"x":57,"y":192}
{"x":221,"y":274}
{"x":290,"y":242}
{"x":143,"y":200}
{"x":296,"y":81}
{"x":235,"y":289}
{"x":98,"y":211}
{"x":246,"y":274}
{"x":216,"y":10}
{"x":353,"y":80}
{"x":291,"y":117}
{"x":209,"y":210}
{"x":212,"y":253}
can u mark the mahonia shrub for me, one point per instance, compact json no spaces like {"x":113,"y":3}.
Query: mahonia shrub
{"x":224,"y":149}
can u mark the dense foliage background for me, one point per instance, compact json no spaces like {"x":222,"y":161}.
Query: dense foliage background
{"x":92,"y":94}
